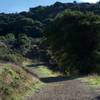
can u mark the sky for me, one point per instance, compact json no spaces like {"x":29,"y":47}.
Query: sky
{"x":13,"y":6}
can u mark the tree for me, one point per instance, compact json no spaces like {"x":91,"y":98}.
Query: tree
{"x":73,"y":40}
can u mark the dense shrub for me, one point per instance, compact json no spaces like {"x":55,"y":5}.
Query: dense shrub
{"x":73,"y":39}
{"x":24,"y":43}
{"x":13,"y":48}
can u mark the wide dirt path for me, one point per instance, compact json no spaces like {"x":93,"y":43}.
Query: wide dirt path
{"x":61,"y":88}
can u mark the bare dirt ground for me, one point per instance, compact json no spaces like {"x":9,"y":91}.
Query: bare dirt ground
{"x":62,"y":88}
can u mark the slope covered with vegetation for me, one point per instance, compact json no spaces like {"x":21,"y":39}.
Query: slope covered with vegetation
{"x":19,"y":31}
{"x":15,"y":83}
{"x":67,"y":39}
{"x":34,"y":21}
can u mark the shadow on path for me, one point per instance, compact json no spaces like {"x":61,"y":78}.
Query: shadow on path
{"x":55,"y":79}
{"x":35,"y":65}
{"x":97,"y":98}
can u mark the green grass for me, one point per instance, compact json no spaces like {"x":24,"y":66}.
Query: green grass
{"x":92,"y":80}
{"x":41,"y":71}
{"x":15,"y":83}
{"x":34,"y":89}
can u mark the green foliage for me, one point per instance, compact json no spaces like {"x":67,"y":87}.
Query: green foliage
{"x":33,"y":21}
{"x":92,"y":80}
{"x":24,"y":43}
{"x":43,"y":71}
{"x":15,"y":82}
{"x":73,"y":38}
{"x":15,"y":57}
{"x":13,"y":48}
{"x":10,"y":37}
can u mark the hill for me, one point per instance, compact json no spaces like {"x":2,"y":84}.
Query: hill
{"x":34,"y":21}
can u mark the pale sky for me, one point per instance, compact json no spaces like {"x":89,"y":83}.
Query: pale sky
{"x":9,"y":6}
{"x":91,"y":1}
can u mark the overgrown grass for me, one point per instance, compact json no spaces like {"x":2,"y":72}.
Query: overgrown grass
{"x":15,"y":83}
{"x":92,"y":80}
{"x":41,"y":70}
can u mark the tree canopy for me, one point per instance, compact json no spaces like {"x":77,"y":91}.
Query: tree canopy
{"x":73,"y":38}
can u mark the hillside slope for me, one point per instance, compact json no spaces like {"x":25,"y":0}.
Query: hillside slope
{"x":15,"y":83}
{"x":35,"y":20}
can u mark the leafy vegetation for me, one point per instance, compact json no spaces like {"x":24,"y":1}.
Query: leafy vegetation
{"x":15,"y":82}
{"x":34,"y":21}
{"x":73,"y":39}
{"x":40,"y":70}
{"x":13,"y":48}
{"x":19,"y":31}
{"x":93,"y":80}
{"x":66,"y":35}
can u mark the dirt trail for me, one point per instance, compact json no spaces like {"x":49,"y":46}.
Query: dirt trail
{"x":61,"y":88}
